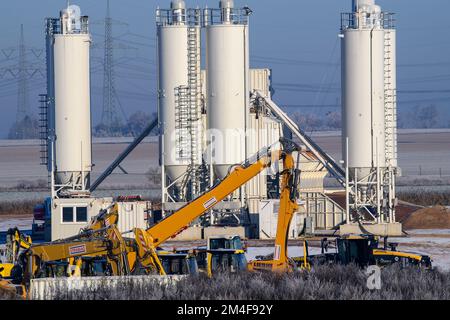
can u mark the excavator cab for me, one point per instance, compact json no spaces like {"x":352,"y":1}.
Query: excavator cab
{"x":95,"y":267}
{"x":364,"y":250}
{"x":178,"y":263}
{"x":225,"y":242}
{"x":225,"y":254}
{"x":356,"y":250}
{"x":226,"y":260}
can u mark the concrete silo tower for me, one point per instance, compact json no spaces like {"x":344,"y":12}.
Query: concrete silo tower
{"x":369,"y":112}
{"x":68,"y":96}
{"x":227,"y":59}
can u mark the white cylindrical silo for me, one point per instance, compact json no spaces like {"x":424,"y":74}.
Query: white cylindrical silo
{"x":363,"y":98}
{"x":73,"y":161}
{"x":173,"y":66}
{"x":227,"y":90}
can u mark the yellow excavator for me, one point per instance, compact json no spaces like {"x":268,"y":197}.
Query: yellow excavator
{"x":149,"y":240}
{"x":71,"y":256}
{"x":288,"y":206}
{"x":15,"y":242}
{"x":99,"y":249}
{"x":101,"y":237}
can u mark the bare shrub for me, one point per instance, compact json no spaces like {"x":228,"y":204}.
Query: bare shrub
{"x":7,"y":295}
{"x":334,"y":282}
{"x":426,"y":198}
{"x":154,"y":176}
{"x":24,"y":207}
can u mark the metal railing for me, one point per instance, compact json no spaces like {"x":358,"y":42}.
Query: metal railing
{"x":54,"y":26}
{"x":364,"y":20}
{"x":194,"y":17}
{"x":170,"y":17}
{"x":238,"y":16}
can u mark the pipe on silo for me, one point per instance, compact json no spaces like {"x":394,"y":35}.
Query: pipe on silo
{"x":178,"y":8}
{"x":226,"y":7}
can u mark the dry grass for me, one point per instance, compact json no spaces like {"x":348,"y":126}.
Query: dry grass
{"x":27,"y":185}
{"x":7,"y":295}
{"x":154,"y":176}
{"x":17,"y":208}
{"x":323,"y":283}
{"x":426,"y":198}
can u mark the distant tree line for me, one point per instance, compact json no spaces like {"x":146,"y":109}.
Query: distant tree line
{"x":134,"y":125}
{"x":419,"y":117}
{"x":27,"y":128}
{"x":313,"y":122}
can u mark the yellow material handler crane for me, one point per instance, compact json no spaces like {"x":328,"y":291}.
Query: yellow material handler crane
{"x":148,"y":240}
{"x":288,"y":206}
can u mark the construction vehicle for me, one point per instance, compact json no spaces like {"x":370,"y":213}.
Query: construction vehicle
{"x":363,"y":250}
{"x":15,"y":242}
{"x":179,"y":262}
{"x":148,"y":240}
{"x":222,"y":253}
{"x":288,"y":206}
{"x":75,"y":256}
{"x":84,"y":253}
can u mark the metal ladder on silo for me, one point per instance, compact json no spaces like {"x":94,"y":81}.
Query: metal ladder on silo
{"x":389,"y":99}
{"x":195,"y":115}
{"x":43,"y":133}
{"x":182,"y":142}
{"x":43,"y":128}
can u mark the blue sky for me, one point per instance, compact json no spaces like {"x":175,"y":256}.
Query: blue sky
{"x":296,"y":39}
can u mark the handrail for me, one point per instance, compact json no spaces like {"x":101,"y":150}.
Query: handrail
{"x":321,"y":155}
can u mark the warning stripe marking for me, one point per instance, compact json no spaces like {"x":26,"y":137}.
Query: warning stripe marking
{"x":143,"y":243}
{"x":208,"y":204}
{"x":277,"y":252}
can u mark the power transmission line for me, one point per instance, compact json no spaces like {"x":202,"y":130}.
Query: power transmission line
{"x":110,"y":117}
{"x":29,"y":65}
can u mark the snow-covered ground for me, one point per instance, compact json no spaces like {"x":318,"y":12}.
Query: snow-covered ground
{"x":433,"y":242}
{"x":429,"y":231}
{"x":21,"y":223}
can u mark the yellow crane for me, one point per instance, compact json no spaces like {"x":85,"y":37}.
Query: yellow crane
{"x":15,"y":242}
{"x":148,"y":240}
{"x":38,"y":260}
{"x":288,"y":206}
{"x":101,"y":237}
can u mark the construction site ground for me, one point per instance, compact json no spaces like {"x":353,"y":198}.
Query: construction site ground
{"x":427,"y":232}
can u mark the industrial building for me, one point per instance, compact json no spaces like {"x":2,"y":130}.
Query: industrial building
{"x":215,"y":113}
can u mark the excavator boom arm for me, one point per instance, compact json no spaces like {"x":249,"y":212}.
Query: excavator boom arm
{"x":288,"y":205}
{"x":183,"y":217}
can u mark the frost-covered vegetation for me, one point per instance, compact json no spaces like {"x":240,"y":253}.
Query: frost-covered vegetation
{"x":322,"y":283}
{"x":7,"y":295}
{"x":426,"y":198}
{"x":17,"y":208}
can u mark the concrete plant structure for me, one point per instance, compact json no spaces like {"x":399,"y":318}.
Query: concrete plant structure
{"x":369,"y":117}
{"x":68,"y":103}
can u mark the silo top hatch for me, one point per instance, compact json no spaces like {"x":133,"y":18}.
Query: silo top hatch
{"x":366,"y":15}
{"x":72,"y":22}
